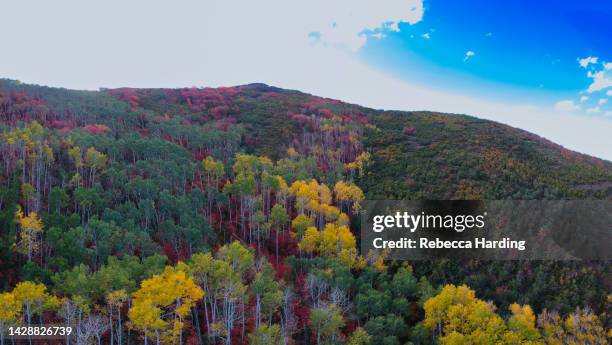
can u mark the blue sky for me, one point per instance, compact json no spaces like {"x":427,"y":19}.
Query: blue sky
{"x":515,"y":62}
{"x":518,"y":50}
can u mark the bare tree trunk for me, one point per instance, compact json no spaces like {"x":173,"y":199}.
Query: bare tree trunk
{"x":110,"y":322}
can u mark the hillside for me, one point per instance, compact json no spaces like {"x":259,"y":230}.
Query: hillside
{"x":416,"y":154}
{"x":99,"y":190}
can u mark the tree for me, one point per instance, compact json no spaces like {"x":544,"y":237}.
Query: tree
{"x":58,"y":199}
{"x":310,"y":241}
{"x":244,"y":185}
{"x":238,"y":256}
{"x":404,"y":283}
{"x":92,"y":327}
{"x":223,"y":279}
{"x":72,"y":311}
{"x":201,"y":268}
{"x":162,"y":303}
{"x":386,"y":329}
{"x":9,"y":198}
{"x":300,"y":223}
{"x":523,"y":323}
{"x":288,"y":319}
{"x":456,"y":316}
{"x":359,"y":337}
{"x":326,"y":322}
{"x":279,"y":218}
{"x":115,"y":300}
{"x":118,"y":277}
{"x":214,"y":171}
{"x":306,"y":195}
{"x":299,"y":189}
{"x":584,"y":327}
{"x":347,"y":194}
{"x":371,"y":302}
{"x":87,"y":202}
{"x":358,"y":164}
{"x":267,"y":335}
{"x":240,"y":259}
{"x":257,"y":221}
{"x":78,"y":281}
{"x":30,"y":144}
{"x":336,"y":238}
{"x":268,"y":293}
{"x":31,"y":228}
{"x":95,"y":161}
{"x":10,"y":310}
{"x":579,"y":327}
{"x":98,"y":233}
{"x":33,"y":299}
{"x":551,"y":325}
{"x":87,"y":165}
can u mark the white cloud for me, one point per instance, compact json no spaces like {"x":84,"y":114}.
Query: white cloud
{"x":593,"y":110}
{"x":600,"y":73}
{"x":468,"y":55}
{"x":587,"y":61}
{"x":601,"y":80}
{"x":488,"y":34}
{"x":232,"y":42}
{"x":426,"y":36}
{"x":344,"y":23}
{"x":566,"y":106}
{"x":602,"y":101}
{"x":584,"y":98}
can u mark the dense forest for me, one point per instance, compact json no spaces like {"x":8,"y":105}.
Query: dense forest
{"x":230,"y":216}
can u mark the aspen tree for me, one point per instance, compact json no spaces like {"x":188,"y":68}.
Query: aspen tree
{"x":10,"y":310}
{"x":31,"y":228}
{"x":162,"y":303}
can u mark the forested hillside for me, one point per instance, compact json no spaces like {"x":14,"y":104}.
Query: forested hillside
{"x":230,"y":216}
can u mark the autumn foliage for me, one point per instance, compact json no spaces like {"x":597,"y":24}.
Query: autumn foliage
{"x":230,"y":216}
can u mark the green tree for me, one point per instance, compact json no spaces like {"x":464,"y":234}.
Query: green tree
{"x":268,"y":293}
{"x":279,"y":218}
{"x":326,"y":322}
{"x":267,"y":335}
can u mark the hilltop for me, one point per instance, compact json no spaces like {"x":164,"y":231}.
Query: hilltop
{"x":414,"y":154}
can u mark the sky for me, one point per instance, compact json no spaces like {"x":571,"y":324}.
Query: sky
{"x":543,"y":66}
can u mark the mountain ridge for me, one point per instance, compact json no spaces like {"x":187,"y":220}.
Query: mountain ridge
{"x":473,"y":157}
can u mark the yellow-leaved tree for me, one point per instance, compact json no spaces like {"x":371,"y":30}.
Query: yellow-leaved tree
{"x":580,"y":327}
{"x":335,"y":238}
{"x":161,"y":304}
{"x":310,"y":240}
{"x":456,"y":316}
{"x":349,"y":194}
{"x":31,"y":228}
{"x":358,"y":164}
{"x":33,"y":299}
{"x":9,"y":312}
